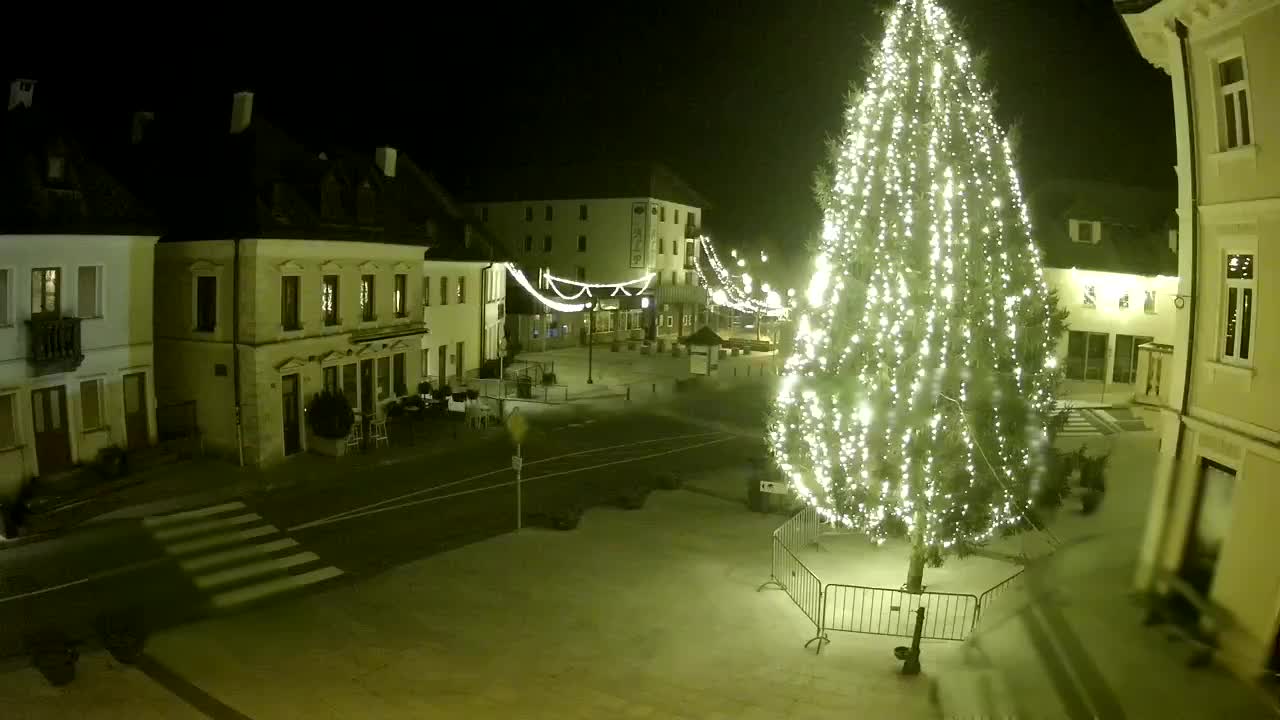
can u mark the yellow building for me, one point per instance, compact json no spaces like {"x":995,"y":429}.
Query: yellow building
{"x":1211,"y":532}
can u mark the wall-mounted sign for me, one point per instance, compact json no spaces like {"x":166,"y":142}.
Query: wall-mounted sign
{"x":639,"y":235}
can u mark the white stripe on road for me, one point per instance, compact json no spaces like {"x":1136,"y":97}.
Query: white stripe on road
{"x":436,"y":488}
{"x":205,"y":526}
{"x":353,"y":515}
{"x":162,"y":520}
{"x":240,"y":553}
{"x":262,"y":567}
{"x":213,"y":541}
{"x":42,"y":591}
{"x":281,"y":584}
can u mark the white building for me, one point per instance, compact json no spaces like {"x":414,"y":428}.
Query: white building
{"x":602,"y":224}
{"x":1211,"y":529}
{"x":75,"y":305}
{"x":1110,"y":253}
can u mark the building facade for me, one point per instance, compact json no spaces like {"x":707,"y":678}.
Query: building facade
{"x":76,"y":249}
{"x":1110,"y":252}
{"x":598,"y":225}
{"x":1211,"y":527}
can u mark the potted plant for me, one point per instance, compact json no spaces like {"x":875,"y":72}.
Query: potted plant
{"x":1092,"y":481}
{"x":53,"y":654}
{"x":123,"y":634}
{"x":633,"y":497}
{"x":424,"y":389}
{"x":330,"y":417}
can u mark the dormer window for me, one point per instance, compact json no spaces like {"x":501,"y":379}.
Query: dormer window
{"x":1085,"y":232}
{"x":57,"y":168}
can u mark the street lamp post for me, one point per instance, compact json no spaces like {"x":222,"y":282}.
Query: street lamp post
{"x":591,"y":337}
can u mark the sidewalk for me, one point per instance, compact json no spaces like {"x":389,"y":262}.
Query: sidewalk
{"x":612,"y":372}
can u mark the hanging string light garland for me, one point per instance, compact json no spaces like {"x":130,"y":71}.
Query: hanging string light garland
{"x":626,"y":288}
{"x":732,"y":293}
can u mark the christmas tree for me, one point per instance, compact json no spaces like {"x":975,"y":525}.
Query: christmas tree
{"x":917,"y":402}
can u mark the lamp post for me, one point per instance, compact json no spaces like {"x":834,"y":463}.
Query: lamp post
{"x":591,"y":337}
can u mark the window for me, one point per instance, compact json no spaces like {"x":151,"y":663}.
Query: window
{"x":1090,"y":298}
{"x":368,"y":312}
{"x":1123,"y":303}
{"x":528,"y":243}
{"x":384,"y":378}
{"x":546,"y":244}
{"x":1238,"y":319}
{"x":1085,"y":232}
{"x":8,"y":421}
{"x":350,"y":387}
{"x":528,"y":213}
{"x":662,"y":213}
{"x":397,"y":374}
{"x":484,"y":214}
{"x":289,"y":316}
{"x":673,"y":278}
{"x":693,"y":220}
{"x":206,"y":303}
{"x":1124,"y":367}
{"x":582,"y":243}
{"x":1210,"y":525}
{"x":91,"y":414}
{"x":582,"y":274}
{"x":402,"y":295}
{"x":582,"y":212}
{"x":676,"y":216}
{"x":1086,"y":355}
{"x":546,"y":213}
{"x":662,"y":246}
{"x":462,"y":289}
{"x":329,"y":299}
{"x":1235,"y":103}
{"x":330,"y":375}
{"x":426,"y":291}
{"x":444,"y":290}
{"x":6,"y":318}
{"x":46,"y":290}
{"x":1149,"y":302}
{"x":89,"y":292}
{"x":675,"y":247}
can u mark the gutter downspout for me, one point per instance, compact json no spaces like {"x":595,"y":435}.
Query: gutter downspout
{"x":235,"y":348}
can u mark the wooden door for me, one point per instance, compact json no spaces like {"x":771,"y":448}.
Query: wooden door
{"x":290,"y":414}
{"x":49,"y":425}
{"x":135,"y":410}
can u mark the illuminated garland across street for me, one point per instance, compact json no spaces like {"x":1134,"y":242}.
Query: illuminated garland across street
{"x":729,"y":292}
{"x":523,"y":281}
{"x":626,"y":289}
{"x":916,"y":401}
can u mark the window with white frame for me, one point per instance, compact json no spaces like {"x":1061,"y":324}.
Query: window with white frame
{"x":8,"y":421}
{"x":89,"y":291}
{"x":1086,"y":232}
{"x":1090,"y":298}
{"x":1239,"y":312}
{"x":1123,"y":303}
{"x":6,"y":297}
{"x":1233,"y":103}
{"x":91,"y":415}
{"x":1149,"y":303}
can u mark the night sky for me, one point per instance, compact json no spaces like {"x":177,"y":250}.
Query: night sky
{"x":738,"y":98}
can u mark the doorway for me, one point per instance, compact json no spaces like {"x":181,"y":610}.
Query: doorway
{"x":1126,"y":362}
{"x":1208,"y":527}
{"x":135,"y":411}
{"x":49,"y":423}
{"x":289,"y":414}
{"x":1086,"y":355}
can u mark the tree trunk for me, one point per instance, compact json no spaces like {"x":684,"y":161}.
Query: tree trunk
{"x":915,"y":571}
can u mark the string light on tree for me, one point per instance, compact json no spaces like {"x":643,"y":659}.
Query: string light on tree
{"x":727,"y":290}
{"x":916,"y":401}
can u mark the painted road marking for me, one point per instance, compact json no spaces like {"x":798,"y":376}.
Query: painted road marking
{"x":226,"y":556}
{"x":204,"y":526}
{"x":278,"y":585}
{"x":213,"y":541}
{"x":161,"y":520}
{"x":254,"y":569}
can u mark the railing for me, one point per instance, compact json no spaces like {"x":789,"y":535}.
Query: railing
{"x":880,"y":611}
{"x":55,"y":344}
{"x":868,"y":610}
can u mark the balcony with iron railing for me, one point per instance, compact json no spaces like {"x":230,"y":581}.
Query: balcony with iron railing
{"x":54,"y":344}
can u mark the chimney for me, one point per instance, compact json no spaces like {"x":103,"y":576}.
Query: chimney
{"x":140,"y":122}
{"x":241,"y":112}
{"x":386,"y":159}
{"x":20,"y":92}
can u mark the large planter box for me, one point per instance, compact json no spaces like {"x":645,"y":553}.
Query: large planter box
{"x":326,"y":446}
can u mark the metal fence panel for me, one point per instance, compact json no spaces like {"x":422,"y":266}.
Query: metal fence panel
{"x":797,"y":581}
{"x":881,"y":611}
{"x":996,"y":596}
{"x":799,"y":530}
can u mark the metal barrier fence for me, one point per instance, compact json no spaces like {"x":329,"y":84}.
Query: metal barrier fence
{"x":880,"y":611}
{"x":868,"y":610}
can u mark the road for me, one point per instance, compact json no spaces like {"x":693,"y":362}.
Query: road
{"x":302,"y":537}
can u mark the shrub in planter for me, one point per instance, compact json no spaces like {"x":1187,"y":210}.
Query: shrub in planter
{"x":123,"y":634}
{"x":53,"y":654}
{"x":1092,"y":480}
{"x":460,"y":396}
{"x":330,"y":415}
{"x":633,"y":498}
{"x":675,"y":350}
{"x":662,"y":345}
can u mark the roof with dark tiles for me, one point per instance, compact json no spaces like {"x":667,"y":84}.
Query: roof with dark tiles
{"x":1136,"y":222}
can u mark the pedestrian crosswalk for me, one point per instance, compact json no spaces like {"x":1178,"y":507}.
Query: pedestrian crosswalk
{"x":233,"y":556}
